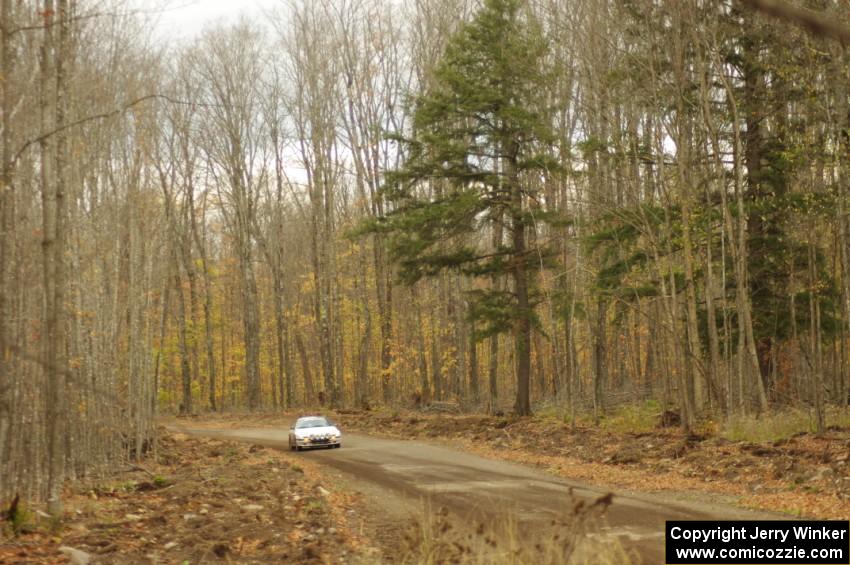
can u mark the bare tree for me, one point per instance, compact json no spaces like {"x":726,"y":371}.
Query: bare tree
{"x":314,"y":106}
{"x":229,"y":64}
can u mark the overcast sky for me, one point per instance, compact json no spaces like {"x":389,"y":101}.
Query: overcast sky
{"x":183,"y":19}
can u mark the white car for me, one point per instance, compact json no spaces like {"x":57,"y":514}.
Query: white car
{"x":313,"y":431}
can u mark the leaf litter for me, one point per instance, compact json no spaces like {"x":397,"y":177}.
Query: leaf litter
{"x":203,"y":500}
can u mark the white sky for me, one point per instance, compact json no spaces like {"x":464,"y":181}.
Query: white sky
{"x":184,"y":19}
{"x":178,"y":21}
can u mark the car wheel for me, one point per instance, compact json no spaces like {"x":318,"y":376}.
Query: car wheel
{"x":291,"y":447}
{"x":337,"y":446}
{"x":298,"y":447}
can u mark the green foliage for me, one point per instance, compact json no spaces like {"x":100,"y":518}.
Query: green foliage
{"x":21,"y":519}
{"x":128,"y":486}
{"x":781,"y":218}
{"x":493,"y":309}
{"x":591,"y":145}
{"x":164,"y":397}
{"x":567,"y":304}
{"x":618,"y":242}
{"x":484,"y":112}
{"x":779,"y":261}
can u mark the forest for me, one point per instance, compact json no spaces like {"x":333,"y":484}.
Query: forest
{"x":501,"y":206}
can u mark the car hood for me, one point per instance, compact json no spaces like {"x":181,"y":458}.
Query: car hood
{"x":324,"y":430}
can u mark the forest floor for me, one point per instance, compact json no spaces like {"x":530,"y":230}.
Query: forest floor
{"x":804,"y":475}
{"x":198,"y":500}
{"x":209,"y":499}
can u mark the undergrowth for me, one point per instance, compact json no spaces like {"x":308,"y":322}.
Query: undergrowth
{"x":645,"y":417}
{"x":634,"y":418}
{"x":629,"y":418}
{"x":21,"y":520}
{"x":780,"y":425}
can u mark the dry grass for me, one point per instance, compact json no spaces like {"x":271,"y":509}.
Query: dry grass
{"x":633,"y":418}
{"x":440,"y":538}
{"x":780,"y":425}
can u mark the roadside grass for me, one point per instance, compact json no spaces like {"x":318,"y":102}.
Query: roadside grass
{"x":640,"y":417}
{"x":645,"y":417}
{"x":780,"y":425}
{"x":440,"y":538}
{"x":551,"y":411}
{"x":633,"y":418}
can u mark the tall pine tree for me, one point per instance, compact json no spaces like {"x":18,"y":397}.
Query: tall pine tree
{"x":474,"y":161}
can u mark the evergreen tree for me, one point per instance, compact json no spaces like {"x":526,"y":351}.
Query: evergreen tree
{"x":474,"y":161}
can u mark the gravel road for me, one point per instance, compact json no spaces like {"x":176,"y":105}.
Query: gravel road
{"x":398,"y":475}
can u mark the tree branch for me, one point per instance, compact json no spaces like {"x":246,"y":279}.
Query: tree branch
{"x":103,"y":116}
{"x":70,"y":375}
{"x":817,"y":23}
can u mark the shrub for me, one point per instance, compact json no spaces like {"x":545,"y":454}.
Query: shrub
{"x":20,"y":518}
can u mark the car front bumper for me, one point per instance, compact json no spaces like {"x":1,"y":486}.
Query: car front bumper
{"x":316,"y":443}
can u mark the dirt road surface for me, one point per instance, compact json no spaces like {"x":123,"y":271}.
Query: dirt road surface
{"x":398,"y":476}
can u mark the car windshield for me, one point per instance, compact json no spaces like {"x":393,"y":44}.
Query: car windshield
{"x":311,"y":423}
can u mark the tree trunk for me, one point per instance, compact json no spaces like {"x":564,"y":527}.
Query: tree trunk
{"x":522,"y":322}
{"x":424,"y":385}
{"x":361,"y":392}
{"x":251,"y":323}
{"x":473,"y":364}
{"x":600,"y":371}
{"x":693,"y":350}
{"x":309,"y":387}
{"x":493,"y":359}
{"x":7,"y":202}
{"x":208,"y":331}
{"x":54,"y":187}
{"x":185,"y":368}
{"x":384,"y":289}
{"x":815,"y":349}
{"x":284,"y":375}
{"x":436,"y":365}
